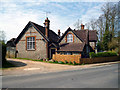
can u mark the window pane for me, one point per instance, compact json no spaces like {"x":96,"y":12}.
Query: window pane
{"x":31,"y":43}
{"x":69,"y":38}
{"x":33,"y":38}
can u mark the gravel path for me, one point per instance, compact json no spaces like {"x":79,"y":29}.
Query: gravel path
{"x":26,"y":67}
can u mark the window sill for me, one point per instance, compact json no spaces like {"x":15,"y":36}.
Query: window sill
{"x":30,"y":49}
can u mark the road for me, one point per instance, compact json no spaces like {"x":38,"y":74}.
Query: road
{"x":95,"y":77}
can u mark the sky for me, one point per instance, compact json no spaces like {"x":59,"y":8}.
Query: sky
{"x":15,"y":14}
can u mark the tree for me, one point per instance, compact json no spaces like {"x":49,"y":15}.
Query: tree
{"x":78,"y":24}
{"x":87,"y":25}
{"x":113,"y":44}
{"x":93,"y":24}
{"x":2,"y":47}
{"x":2,"y":36}
{"x":101,"y":27}
{"x":106,"y":39}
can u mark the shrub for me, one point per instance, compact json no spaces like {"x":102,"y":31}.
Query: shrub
{"x":70,"y":62}
{"x":102,"y":54}
{"x":56,"y":61}
{"x":66,"y":62}
{"x":74,"y":62}
{"x":3,"y":52}
{"x":61,"y":62}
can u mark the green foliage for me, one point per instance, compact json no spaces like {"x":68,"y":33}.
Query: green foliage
{"x":100,"y":46}
{"x":66,"y":62}
{"x":70,"y":62}
{"x":113,"y":44}
{"x":106,"y":40}
{"x":102,"y":54}
{"x":61,"y":62}
{"x":3,"y":52}
{"x":74,"y":63}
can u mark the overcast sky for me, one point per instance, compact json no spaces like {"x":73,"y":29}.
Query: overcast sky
{"x":15,"y":14}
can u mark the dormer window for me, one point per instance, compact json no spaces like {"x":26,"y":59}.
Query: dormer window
{"x":69,"y":38}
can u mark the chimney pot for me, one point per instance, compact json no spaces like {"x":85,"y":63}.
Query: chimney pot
{"x":59,"y":32}
{"x":82,"y":26}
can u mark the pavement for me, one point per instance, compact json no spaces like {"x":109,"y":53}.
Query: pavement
{"x":28,"y":67}
{"x":104,"y":76}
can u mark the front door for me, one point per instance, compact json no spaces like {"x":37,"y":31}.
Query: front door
{"x":52,"y":52}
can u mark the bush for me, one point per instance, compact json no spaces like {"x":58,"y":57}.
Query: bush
{"x":70,"y":62}
{"x":102,"y":54}
{"x":66,"y":62}
{"x":61,"y":62}
{"x":3,"y":52}
{"x":74,"y":62}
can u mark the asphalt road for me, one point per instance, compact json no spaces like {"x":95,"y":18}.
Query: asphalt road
{"x":94,"y":77}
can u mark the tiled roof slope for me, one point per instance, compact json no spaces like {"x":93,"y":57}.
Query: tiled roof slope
{"x":53,"y":37}
{"x":72,"y":47}
{"x":83,"y":34}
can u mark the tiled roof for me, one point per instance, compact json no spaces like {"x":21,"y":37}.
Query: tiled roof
{"x":53,"y":37}
{"x":83,"y":34}
{"x":72,"y":47}
{"x":11,"y":42}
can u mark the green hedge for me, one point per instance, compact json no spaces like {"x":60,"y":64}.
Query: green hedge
{"x":102,"y":54}
{"x":3,"y":52}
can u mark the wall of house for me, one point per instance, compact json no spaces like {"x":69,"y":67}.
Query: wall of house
{"x":76,"y":40}
{"x":92,"y":44}
{"x":11,"y":52}
{"x":39,"y":53}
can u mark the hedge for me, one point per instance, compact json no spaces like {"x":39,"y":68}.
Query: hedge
{"x":102,"y":54}
{"x":3,"y":53}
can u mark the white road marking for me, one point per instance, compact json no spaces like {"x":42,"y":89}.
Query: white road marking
{"x":31,"y":68}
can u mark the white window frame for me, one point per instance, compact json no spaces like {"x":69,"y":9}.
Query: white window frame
{"x":69,"y":38}
{"x":30,"y":43}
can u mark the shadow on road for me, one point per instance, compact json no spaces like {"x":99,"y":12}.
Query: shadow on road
{"x":17,"y":63}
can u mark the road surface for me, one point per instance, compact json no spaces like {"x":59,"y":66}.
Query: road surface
{"x":93,"y":77}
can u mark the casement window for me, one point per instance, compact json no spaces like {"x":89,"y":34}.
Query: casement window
{"x":30,"y":43}
{"x":69,"y":38}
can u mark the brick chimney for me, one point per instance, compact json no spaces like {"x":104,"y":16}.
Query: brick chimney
{"x":59,"y":32}
{"x":82,"y":26}
{"x":47,"y":26}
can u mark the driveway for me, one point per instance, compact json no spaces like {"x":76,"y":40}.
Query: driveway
{"x":26,"y":67}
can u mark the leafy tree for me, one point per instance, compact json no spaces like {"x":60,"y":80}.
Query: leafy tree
{"x":100,"y":46}
{"x":113,"y":44}
{"x":106,"y":39}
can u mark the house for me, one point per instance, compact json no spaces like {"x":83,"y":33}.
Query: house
{"x":39,"y":42}
{"x":11,"y":48}
{"x":77,"y":42}
{"x":36,"y":41}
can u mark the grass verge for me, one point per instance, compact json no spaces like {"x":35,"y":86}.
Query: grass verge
{"x":56,"y":62}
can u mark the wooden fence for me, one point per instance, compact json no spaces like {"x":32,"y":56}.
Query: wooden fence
{"x":68,"y":58}
{"x":99,"y":59}
{"x":79,"y":60}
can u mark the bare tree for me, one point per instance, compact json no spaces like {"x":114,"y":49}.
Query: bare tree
{"x":87,"y":25}
{"x":93,"y":24}
{"x":78,"y":24}
{"x":101,"y":27}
